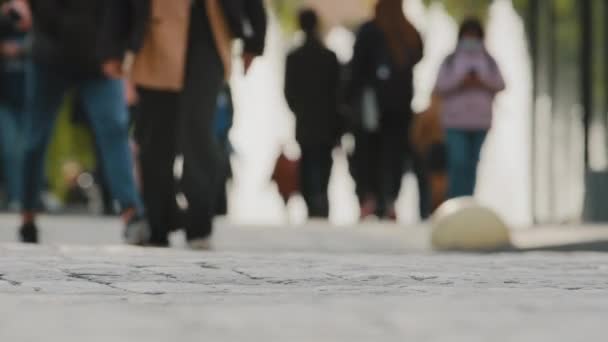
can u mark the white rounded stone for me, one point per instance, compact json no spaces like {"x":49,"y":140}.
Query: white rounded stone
{"x":463,"y":225}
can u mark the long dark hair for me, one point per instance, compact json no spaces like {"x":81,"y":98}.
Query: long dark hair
{"x":400,"y":34}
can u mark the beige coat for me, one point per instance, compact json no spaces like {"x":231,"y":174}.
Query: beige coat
{"x":160,"y":64}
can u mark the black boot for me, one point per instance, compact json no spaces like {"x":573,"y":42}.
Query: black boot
{"x":28,"y":233}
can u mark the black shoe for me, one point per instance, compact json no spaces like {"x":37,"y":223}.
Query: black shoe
{"x":137,"y":232}
{"x":158,"y":243}
{"x":28,"y":233}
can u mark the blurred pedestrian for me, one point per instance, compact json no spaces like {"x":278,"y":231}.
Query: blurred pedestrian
{"x":83,"y":44}
{"x":224,"y":119}
{"x":468,"y":82}
{"x":15,"y":19}
{"x":312,"y":82}
{"x":429,"y":158}
{"x":185,"y":59}
{"x":104,"y":201}
{"x":386,"y":50}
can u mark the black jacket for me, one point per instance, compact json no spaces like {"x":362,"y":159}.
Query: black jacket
{"x":373,"y":67}
{"x":79,"y":35}
{"x":247,"y":21}
{"x":312,"y":87}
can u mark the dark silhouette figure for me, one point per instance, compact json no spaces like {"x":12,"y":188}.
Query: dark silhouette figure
{"x":311,"y":88}
{"x":386,"y":50}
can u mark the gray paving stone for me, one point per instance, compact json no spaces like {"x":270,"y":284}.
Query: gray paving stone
{"x":344,"y":288}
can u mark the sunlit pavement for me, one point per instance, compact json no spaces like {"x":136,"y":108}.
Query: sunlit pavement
{"x":310,"y":283}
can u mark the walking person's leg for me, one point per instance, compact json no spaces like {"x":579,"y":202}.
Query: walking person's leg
{"x":11,"y":144}
{"x":325,"y":166}
{"x":45,"y":91}
{"x":375,"y":173}
{"x":368,"y":145}
{"x":457,"y":153}
{"x":392,"y":163}
{"x":316,"y":170}
{"x":156,"y":135}
{"x":307,"y":175}
{"x":197,"y":144}
{"x":421,"y":171}
{"x":358,"y":168}
{"x":108,"y":113}
{"x":221,"y":204}
{"x":477,"y":139}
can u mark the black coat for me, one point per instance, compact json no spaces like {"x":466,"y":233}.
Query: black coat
{"x":247,"y":21}
{"x":79,"y":35}
{"x":373,"y":67}
{"x":312,"y":83}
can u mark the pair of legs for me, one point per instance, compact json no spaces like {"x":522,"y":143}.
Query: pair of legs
{"x":463,"y":150}
{"x":174,"y":124}
{"x":379,"y":163}
{"x":315,"y":171}
{"x":107,"y":110}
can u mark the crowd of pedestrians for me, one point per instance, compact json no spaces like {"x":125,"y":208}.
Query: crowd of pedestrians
{"x":162,"y":67}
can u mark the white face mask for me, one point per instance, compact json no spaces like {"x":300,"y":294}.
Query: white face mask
{"x":471,"y":44}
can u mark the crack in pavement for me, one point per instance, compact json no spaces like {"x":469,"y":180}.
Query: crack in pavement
{"x":266,"y":280}
{"x":245,"y":274}
{"x":423,"y":278}
{"x":207,"y":266}
{"x":282,"y":282}
{"x":168,"y":276}
{"x":11,"y":282}
{"x":336,"y":276}
{"x":90,"y":278}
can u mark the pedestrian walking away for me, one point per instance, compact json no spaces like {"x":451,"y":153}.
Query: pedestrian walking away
{"x":386,"y":50}
{"x":312,"y":82}
{"x":179,"y":72}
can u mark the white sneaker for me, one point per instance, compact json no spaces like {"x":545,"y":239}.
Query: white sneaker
{"x":200,"y":244}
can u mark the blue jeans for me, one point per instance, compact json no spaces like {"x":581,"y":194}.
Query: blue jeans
{"x":11,"y":144}
{"x":106,"y":107}
{"x":11,"y":133}
{"x":463,"y":149}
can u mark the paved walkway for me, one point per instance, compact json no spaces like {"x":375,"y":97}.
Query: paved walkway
{"x":335,"y":285}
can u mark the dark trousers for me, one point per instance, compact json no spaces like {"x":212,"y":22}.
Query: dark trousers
{"x":172,"y":123}
{"x":421,"y":171}
{"x":378,"y":165}
{"x":315,"y":170}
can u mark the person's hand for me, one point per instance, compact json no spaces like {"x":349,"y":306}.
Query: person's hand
{"x":22,"y":8}
{"x":113,"y":68}
{"x":248,"y":59}
{"x":11,"y":49}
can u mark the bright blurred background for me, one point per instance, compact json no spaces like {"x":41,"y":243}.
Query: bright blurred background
{"x":545,"y":160}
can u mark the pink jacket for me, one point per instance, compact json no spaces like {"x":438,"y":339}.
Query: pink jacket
{"x":468,"y":108}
